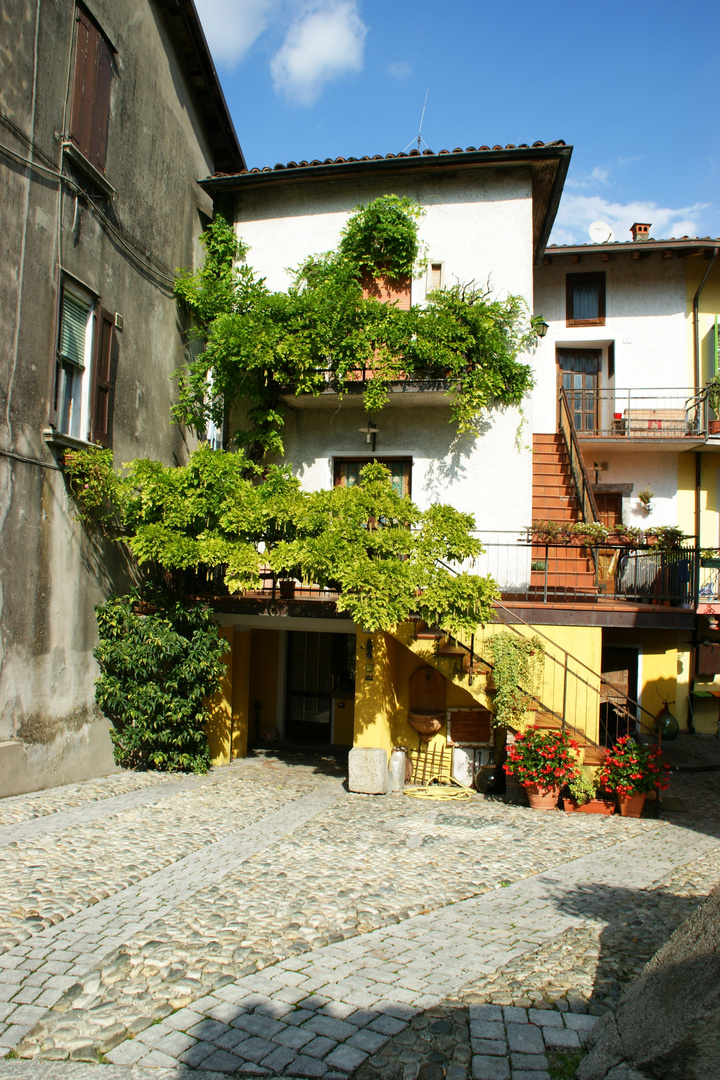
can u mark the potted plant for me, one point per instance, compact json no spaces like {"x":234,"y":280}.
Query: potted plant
{"x":712,"y":396}
{"x":627,"y":535}
{"x":542,"y":761}
{"x":646,"y":497}
{"x":665,"y":537}
{"x":584,"y":795}
{"x":549,"y":532}
{"x":516,"y":673}
{"x":591,"y":533}
{"x":633,"y":770}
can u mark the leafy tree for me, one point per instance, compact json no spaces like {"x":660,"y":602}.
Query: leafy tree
{"x":377,"y":548}
{"x":261,"y":344}
{"x":158,"y":668}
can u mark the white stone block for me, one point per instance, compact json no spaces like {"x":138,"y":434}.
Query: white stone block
{"x":368,"y":770}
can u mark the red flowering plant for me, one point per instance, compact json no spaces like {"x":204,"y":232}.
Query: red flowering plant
{"x":545,"y":758}
{"x":630,"y":767}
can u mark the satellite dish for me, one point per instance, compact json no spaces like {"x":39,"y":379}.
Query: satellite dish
{"x":600,"y":232}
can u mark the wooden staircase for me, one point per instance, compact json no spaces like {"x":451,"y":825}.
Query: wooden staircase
{"x":571,"y":571}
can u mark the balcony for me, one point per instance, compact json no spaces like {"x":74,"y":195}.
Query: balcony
{"x":402,"y":392}
{"x":646,"y":418}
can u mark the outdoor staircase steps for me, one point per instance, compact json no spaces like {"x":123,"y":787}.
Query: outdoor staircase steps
{"x":594,"y":755}
{"x":571,"y":571}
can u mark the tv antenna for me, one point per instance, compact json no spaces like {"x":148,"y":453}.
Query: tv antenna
{"x":420,"y":141}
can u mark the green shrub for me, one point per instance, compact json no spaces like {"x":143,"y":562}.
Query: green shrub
{"x":158,"y":669}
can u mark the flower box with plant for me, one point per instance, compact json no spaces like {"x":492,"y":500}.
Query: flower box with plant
{"x":665,"y":537}
{"x":633,"y":769}
{"x":590,"y":533}
{"x":585,"y":795}
{"x":543,"y":760}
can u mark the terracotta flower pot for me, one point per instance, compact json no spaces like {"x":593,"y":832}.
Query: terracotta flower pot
{"x":633,"y":805}
{"x":594,"y":806}
{"x":542,"y":798}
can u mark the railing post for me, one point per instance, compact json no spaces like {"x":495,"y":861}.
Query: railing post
{"x":565,"y":680}
{"x":545,"y":586}
{"x":472,"y":655}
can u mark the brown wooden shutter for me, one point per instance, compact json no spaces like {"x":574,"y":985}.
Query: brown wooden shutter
{"x":101,"y":108}
{"x":91,"y":91}
{"x":103,"y":378}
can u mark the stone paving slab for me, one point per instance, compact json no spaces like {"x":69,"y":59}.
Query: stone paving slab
{"x":314,"y":933}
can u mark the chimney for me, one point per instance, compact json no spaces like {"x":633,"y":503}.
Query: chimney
{"x":640,"y":231}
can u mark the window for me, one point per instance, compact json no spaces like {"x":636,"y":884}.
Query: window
{"x":91,"y":90}
{"x":347,"y":472}
{"x":585,"y":298}
{"x":83,"y":369}
{"x":435,"y":277}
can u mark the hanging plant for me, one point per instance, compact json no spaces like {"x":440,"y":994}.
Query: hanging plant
{"x":518,"y":664}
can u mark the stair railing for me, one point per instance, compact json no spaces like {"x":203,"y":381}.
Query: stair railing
{"x":586,"y":498}
{"x":570,"y":687}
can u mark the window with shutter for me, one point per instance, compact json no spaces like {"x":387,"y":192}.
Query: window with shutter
{"x":82,"y":403}
{"x":585,"y":299}
{"x":91,"y":90}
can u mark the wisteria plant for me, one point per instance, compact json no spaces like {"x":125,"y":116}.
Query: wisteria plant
{"x":630,"y":767}
{"x":546,"y":758}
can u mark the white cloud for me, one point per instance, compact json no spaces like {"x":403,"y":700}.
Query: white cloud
{"x":576,"y":212}
{"x":399,"y":70}
{"x":232,"y":26}
{"x":583,"y":181}
{"x":324,"y":43}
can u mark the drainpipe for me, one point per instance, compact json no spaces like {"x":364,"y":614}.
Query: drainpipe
{"x":698,"y":478}
{"x":696,"y":329}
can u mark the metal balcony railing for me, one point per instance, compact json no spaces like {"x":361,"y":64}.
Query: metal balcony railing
{"x":647,"y":414}
{"x":602,"y":574}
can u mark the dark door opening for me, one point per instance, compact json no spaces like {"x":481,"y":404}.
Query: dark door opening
{"x":619,"y":667}
{"x":320,"y":668}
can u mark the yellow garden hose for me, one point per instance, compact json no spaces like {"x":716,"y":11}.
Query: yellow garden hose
{"x":438,"y":788}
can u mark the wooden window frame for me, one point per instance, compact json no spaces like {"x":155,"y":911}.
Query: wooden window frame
{"x":90,"y":101}
{"x":98,"y":376}
{"x":343,"y":459}
{"x":597,"y":276}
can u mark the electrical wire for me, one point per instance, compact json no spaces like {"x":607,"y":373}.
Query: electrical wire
{"x":131,"y":247}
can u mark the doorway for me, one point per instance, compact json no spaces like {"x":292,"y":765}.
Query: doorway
{"x":579,"y":377}
{"x":619,"y":666}
{"x":320,"y":673}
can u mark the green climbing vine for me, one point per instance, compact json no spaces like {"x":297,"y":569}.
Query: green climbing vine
{"x":259,"y":344}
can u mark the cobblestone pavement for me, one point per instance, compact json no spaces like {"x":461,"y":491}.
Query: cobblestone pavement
{"x":263,"y":921}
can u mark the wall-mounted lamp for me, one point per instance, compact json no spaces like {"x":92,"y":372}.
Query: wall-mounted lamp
{"x":539,"y":325}
{"x":370,"y":433}
{"x":369,"y":649}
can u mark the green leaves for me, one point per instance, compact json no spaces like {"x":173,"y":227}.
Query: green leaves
{"x":260,"y":345}
{"x":376,"y":547}
{"x":158,"y":668}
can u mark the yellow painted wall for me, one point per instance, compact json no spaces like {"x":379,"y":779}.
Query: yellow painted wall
{"x":263,"y":677}
{"x":344,"y":727}
{"x":664,"y":673}
{"x":375,"y":698}
{"x":581,"y":693}
{"x":229,"y":707}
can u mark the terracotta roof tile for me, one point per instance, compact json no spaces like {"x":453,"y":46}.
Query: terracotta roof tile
{"x":404,"y":154}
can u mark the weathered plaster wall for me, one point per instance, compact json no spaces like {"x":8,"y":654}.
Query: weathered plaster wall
{"x":53,"y":573}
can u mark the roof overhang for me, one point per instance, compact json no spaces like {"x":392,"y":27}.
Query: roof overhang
{"x":681,"y":248}
{"x":187,"y":33}
{"x":549,"y":163}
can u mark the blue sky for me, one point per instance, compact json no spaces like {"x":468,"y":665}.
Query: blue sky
{"x":632,"y":85}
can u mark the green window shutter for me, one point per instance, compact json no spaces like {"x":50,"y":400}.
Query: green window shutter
{"x":73,"y":329}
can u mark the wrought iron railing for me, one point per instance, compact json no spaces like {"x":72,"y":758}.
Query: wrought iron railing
{"x":647,"y":414}
{"x":588,"y":506}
